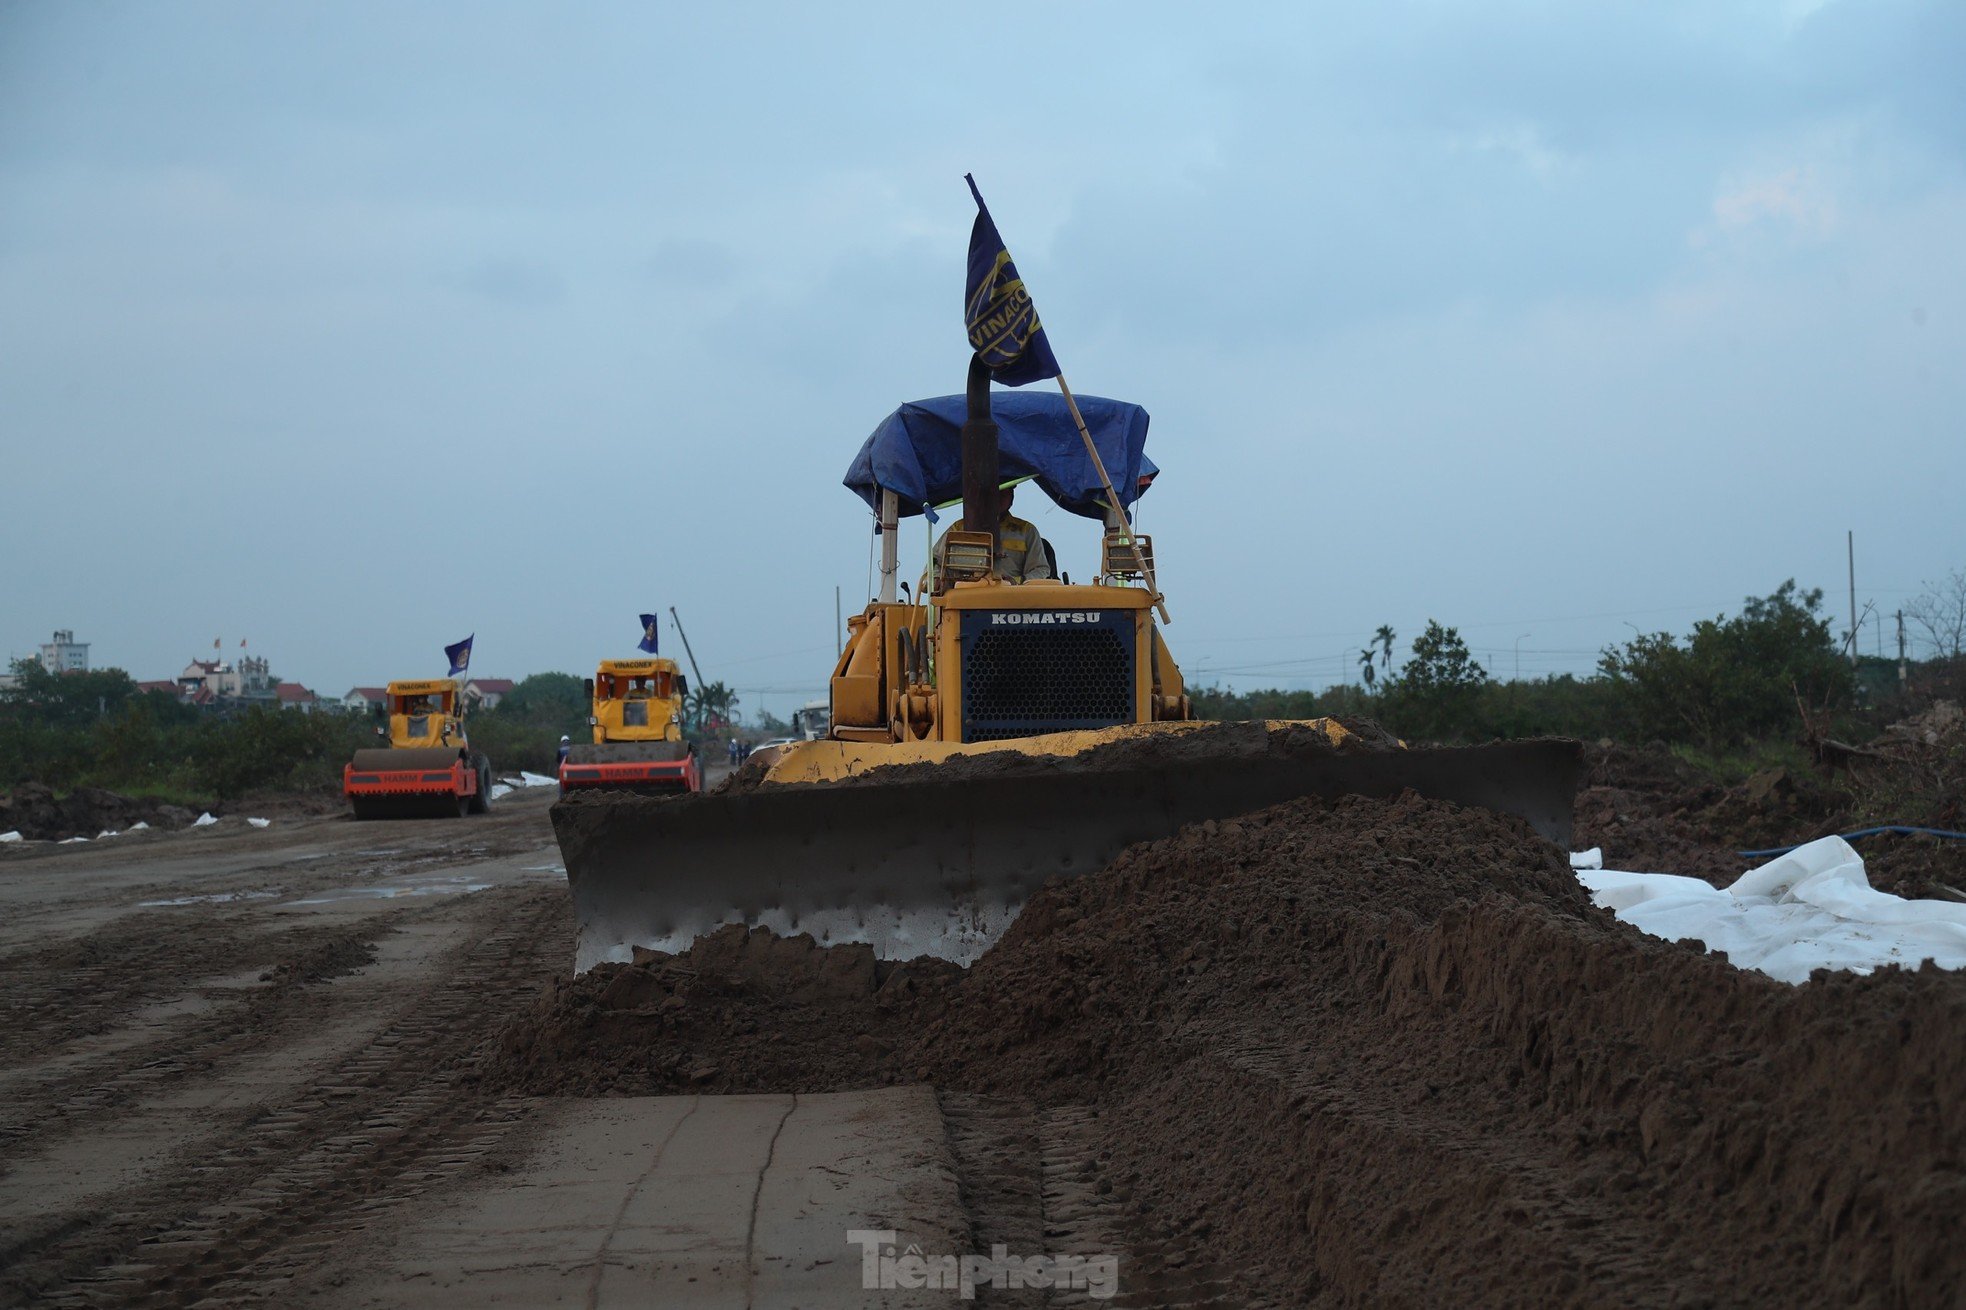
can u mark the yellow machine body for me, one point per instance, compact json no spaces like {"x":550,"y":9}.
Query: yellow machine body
{"x":638,"y":700}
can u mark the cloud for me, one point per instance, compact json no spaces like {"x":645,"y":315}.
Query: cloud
{"x":1795,"y":200}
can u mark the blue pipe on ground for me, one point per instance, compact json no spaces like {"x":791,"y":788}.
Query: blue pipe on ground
{"x":1900,"y":829}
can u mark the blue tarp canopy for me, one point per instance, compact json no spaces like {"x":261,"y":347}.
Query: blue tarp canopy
{"x":916,"y":452}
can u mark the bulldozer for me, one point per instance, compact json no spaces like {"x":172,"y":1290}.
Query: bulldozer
{"x":988,"y":734}
{"x":428,"y":769}
{"x":638,"y":741}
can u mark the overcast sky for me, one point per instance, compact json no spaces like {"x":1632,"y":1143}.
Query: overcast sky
{"x":351,"y":329}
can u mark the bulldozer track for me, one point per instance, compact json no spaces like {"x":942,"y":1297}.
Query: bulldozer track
{"x":397,"y":1114}
{"x":65,"y":1094}
{"x":1031,"y":1180}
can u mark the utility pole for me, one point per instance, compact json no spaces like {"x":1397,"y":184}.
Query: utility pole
{"x":1903,"y":673}
{"x":1851,"y":539}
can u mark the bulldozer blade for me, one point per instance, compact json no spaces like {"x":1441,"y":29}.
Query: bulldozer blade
{"x":935,"y":864}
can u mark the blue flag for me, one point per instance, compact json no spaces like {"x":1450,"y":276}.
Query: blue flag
{"x":1003,"y":323}
{"x":647,"y":642}
{"x":460,"y":655}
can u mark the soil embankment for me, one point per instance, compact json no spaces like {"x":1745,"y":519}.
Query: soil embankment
{"x":1371,"y":1051}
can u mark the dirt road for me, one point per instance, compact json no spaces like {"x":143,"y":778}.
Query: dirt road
{"x":242,"y":1065}
{"x":221,"y":1047}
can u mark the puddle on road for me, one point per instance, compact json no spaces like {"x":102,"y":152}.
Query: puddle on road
{"x":429,"y":886}
{"x":210,"y":898}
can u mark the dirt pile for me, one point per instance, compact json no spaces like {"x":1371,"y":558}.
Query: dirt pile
{"x":1371,"y":1051}
{"x":37,"y":815}
{"x":1650,"y":810}
{"x":741,"y":1010}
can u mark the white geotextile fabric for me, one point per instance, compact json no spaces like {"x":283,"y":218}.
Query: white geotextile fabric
{"x":1813,"y":908}
{"x":506,"y":786}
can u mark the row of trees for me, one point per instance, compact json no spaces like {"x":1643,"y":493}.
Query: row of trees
{"x":1732,"y":680}
{"x":96,"y":729}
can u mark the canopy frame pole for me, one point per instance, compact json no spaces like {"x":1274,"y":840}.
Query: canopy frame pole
{"x":1113,"y":499}
{"x":889,"y":525}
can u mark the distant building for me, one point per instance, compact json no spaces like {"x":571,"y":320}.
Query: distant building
{"x":365,"y":700}
{"x":165,"y":686}
{"x":293,"y":696}
{"x":65,"y":654}
{"x":215,"y":682}
{"x":486,"y":693}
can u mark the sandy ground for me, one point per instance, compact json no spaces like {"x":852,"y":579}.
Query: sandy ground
{"x":242,"y":1066}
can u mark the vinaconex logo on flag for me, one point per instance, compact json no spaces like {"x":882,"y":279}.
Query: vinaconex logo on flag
{"x":647,"y":642}
{"x":460,"y":655}
{"x":1003,"y":323}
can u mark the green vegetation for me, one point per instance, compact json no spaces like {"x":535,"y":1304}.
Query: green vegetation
{"x":96,"y":729}
{"x":524,"y":731}
{"x":1729,"y":684}
{"x":708,"y":710}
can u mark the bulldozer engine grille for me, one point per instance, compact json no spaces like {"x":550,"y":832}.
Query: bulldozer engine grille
{"x":1027,"y":672}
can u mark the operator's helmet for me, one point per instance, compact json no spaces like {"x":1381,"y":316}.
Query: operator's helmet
{"x":564,"y":737}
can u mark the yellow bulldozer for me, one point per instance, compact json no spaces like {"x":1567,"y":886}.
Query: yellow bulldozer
{"x":637,"y":723}
{"x":428,"y":769}
{"x":988,"y":733}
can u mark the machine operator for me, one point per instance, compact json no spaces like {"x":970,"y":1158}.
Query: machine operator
{"x":1021,"y":554}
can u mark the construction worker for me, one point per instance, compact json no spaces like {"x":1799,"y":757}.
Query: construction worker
{"x":566,"y":749}
{"x":1021,"y":554}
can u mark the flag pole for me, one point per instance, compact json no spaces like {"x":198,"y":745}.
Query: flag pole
{"x":1113,"y":497}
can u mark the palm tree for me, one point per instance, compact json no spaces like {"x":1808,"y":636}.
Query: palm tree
{"x":1383,"y":638}
{"x":706,"y":705}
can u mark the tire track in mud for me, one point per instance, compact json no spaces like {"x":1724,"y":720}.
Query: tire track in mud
{"x":395,"y":1116}
{"x":67,"y":1093}
{"x":1033,"y":1180}
{"x":78,"y":987}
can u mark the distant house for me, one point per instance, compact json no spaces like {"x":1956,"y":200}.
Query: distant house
{"x":293,"y":696}
{"x":165,"y":685}
{"x":486,"y":693}
{"x":365,"y":700}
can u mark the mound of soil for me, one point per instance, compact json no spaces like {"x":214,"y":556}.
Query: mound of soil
{"x":36,"y":814}
{"x":741,"y":1010}
{"x":1375,"y":1051}
{"x":1649,"y":810}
